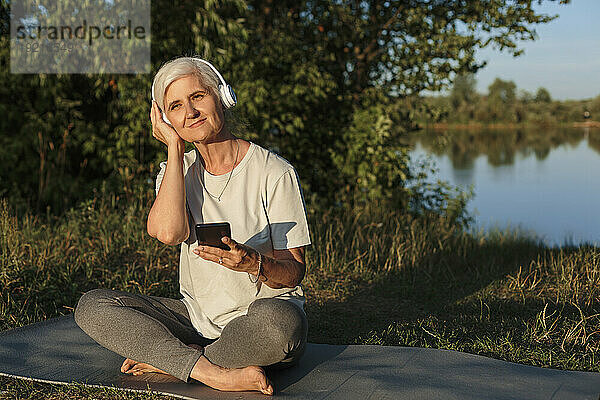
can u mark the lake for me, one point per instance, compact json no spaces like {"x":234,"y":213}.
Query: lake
{"x":544,"y":181}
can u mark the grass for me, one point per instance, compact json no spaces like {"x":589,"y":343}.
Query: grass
{"x":377,"y":277}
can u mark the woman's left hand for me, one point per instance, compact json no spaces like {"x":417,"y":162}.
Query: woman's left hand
{"x":240,"y":258}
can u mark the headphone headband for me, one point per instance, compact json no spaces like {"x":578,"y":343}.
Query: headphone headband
{"x":214,"y":70}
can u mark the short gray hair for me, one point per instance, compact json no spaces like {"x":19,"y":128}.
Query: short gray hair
{"x":185,"y":66}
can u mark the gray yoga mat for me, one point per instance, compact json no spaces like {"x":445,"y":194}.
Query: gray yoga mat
{"x":57,"y":351}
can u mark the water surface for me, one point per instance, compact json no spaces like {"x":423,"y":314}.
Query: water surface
{"x":543,"y":181}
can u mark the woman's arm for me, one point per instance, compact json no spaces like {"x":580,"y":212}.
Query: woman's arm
{"x":167,"y":220}
{"x":285,"y":269}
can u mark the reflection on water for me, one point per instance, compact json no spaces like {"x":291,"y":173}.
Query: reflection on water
{"x":543,"y":180}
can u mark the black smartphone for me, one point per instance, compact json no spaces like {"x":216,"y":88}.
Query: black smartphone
{"x":211,"y":234}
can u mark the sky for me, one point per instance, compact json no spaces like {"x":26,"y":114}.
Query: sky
{"x":565,"y":58}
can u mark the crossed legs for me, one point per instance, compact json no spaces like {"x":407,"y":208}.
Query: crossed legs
{"x":155,"y":334}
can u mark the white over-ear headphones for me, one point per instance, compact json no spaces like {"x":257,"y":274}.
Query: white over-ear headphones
{"x":228,"y":97}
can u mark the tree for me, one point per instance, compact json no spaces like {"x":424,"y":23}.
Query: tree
{"x":312,"y":78}
{"x":313,"y":63}
{"x":463,"y":97}
{"x":64,"y":135}
{"x":501,"y":99}
{"x":525,"y":96}
{"x":463,"y":90}
{"x":542,"y":96}
{"x":502,"y":91}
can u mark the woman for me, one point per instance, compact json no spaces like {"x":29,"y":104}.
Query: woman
{"x":242,"y":309}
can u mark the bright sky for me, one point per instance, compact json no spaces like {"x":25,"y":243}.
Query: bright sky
{"x":565,"y":58}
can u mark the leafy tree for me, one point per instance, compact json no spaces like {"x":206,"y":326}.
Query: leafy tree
{"x":313,"y":63}
{"x":463,"y":90}
{"x":503,"y":92}
{"x":525,"y":96}
{"x":463,"y":96}
{"x":501,"y":99}
{"x":324,"y":83}
{"x":542,"y":96}
{"x":65,"y":135}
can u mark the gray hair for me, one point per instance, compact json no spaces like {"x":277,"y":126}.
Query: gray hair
{"x":185,"y":66}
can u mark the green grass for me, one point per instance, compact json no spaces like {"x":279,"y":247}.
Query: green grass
{"x":375,"y":277}
{"x":22,"y":389}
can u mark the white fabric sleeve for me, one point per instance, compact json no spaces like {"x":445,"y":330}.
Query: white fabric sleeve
{"x":286,"y":211}
{"x":161,"y":174}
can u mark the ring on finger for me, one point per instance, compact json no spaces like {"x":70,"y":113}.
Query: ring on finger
{"x":220,"y":260}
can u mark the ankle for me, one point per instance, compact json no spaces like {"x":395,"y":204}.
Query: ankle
{"x":205,"y":370}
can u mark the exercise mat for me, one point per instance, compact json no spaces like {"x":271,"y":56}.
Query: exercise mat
{"x":58,"y":351}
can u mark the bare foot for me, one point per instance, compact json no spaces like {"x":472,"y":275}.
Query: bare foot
{"x":130,"y":366}
{"x":138,"y":368}
{"x":252,"y":378}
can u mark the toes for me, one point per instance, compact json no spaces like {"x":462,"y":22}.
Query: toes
{"x":268,"y":388}
{"x":127,"y":364}
{"x":265,"y":383}
{"x":141,"y":368}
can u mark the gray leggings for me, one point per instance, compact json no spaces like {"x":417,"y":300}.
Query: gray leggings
{"x":157,"y":330}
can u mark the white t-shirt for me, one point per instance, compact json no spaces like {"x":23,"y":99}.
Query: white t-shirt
{"x":264,"y":205}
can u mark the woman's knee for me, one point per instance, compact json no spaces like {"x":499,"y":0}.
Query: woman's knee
{"x":88,"y":307}
{"x":284,"y":319}
{"x":272,"y":333}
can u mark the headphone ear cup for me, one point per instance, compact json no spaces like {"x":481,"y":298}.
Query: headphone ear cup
{"x":163,"y":115}
{"x":229,"y":99}
{"x":232,"y":95}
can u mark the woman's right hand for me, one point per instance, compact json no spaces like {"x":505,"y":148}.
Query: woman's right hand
{"x":161,"y":130}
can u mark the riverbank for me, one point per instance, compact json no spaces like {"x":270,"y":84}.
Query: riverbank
{"x":587,"y":124}
{"x":477,"y":126}
{"x":382,"y":277}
